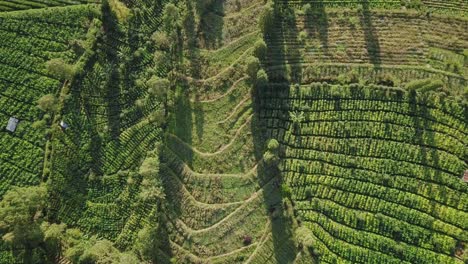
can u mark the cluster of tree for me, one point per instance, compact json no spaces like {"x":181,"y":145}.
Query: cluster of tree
{"x":25,"y":227}
{"x":271,"y":155}
{"x":151,"y":187}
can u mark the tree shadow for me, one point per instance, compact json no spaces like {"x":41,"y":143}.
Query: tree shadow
{"x":317,"y":24}
{"x":370,"y":35}
{"x":181,"y":125}
{"x":422,"y":137}
{"x":283,"y":65}
{"x":199,"y":119}
{"x":210,"y":29}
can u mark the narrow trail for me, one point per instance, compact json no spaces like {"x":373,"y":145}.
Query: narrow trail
{"x":202,"y":81}
{"x":202,"y":204}
{"x":254,"y":196}
{"x":231,"y":89}
{"x":220,"y":150}
{"x":234,"y":111}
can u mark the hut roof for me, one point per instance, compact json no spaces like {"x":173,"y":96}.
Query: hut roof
{"x":12,"y":123}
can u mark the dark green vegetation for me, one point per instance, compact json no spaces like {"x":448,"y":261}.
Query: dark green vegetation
{"x":234,"y":131}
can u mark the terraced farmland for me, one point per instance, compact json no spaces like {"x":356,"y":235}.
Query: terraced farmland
{"x":234,"y":131}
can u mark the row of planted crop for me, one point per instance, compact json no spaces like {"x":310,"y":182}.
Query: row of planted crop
{"x":380,"y":164}
{"x":380,"y":199}
{"x":376,"y":246}
{"x":434,"y":190}
{"x":31,"y":4}
{"x":400,"y":74}
{"x":366,"y":146}
{"x":302,"y":185}
{"x":382,"y":225}
{"x":350,"y":117}
{"x":323,"y":96}
{"x":371,"y":130}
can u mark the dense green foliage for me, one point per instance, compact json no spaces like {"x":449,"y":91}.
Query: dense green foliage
{"x":240,"y":131}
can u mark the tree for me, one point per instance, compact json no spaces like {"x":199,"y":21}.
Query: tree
{"x":170,"y":18}
{"x":273,"y":145}
{"x":307,"y":9}
{"x":60,"y":68}
{"x":147,"y":243}
{"x":19,"y":210}
{"x":262,"y":78}
{"x":54,"y":234}
{"x":120,"y":10}
{"x":253,"y":65}
{"x":297,"y":118}
{"x":151,"y":188}
{"x":271,"y":157}
{"x":305,"y":237}
{"x":266,"y":20}
{"x":47,"y":103}
{"x":161,"y":40}
{"x":102,"y":252}
{"x":158,"y":87}
{"x":260,"y":49}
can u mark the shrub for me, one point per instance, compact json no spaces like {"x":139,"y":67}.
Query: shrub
{"x":247,"y":240}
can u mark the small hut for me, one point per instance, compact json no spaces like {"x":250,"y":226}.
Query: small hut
{"x":64,"y":125}
{"x":12,"y":123}
{"x":465,"y":176}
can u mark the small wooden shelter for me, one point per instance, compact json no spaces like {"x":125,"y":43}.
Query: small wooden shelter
{"x":12,"y":123}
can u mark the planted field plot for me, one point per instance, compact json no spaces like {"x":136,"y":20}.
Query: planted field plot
{"x":16,"y":5}
{"x":233,"y":131}
{"x":450,"y":7}
{"x":400,"y":46}
{"x":375,"y":173}
{"x":29,"y":40}
{"x":109,"y":137}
